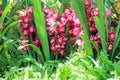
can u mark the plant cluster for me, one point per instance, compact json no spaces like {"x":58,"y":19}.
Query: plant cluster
{"x":59,"y":39}
{"x":61,"y":29}
{"x":91,"y":13}
{"x":27,"y":29}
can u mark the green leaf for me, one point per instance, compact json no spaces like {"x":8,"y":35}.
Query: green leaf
{"x":88,"y":46}
{"x":100,"y":29}
{"x":4,"y":14}
{"x":116,"y":41}
{"x":104,"y":62}
{"x":41,"y":28}
{"x":8,"y":27}
{"x":1,"y":47}
{"x":102,"y":12}
{"x":117,"y":69}
{"x":100,"y":24}
{"x":96,"y":47}
{"x":8,"y":43}
{"x":36,"y":49}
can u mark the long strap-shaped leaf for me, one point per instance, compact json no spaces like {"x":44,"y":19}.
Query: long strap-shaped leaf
{"x":41,"y":28}
{"x":100,"y":24}
{"x":101,"y":33}
{"x":88,"y":46}
{"x":8,"y":27}
{"x":37,"y":50}
{"x":78,"y":6}
{"x":116,"y":41}
{"x":4,"y":14}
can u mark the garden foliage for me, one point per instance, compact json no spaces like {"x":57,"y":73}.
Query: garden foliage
{"x":59,"y":39}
